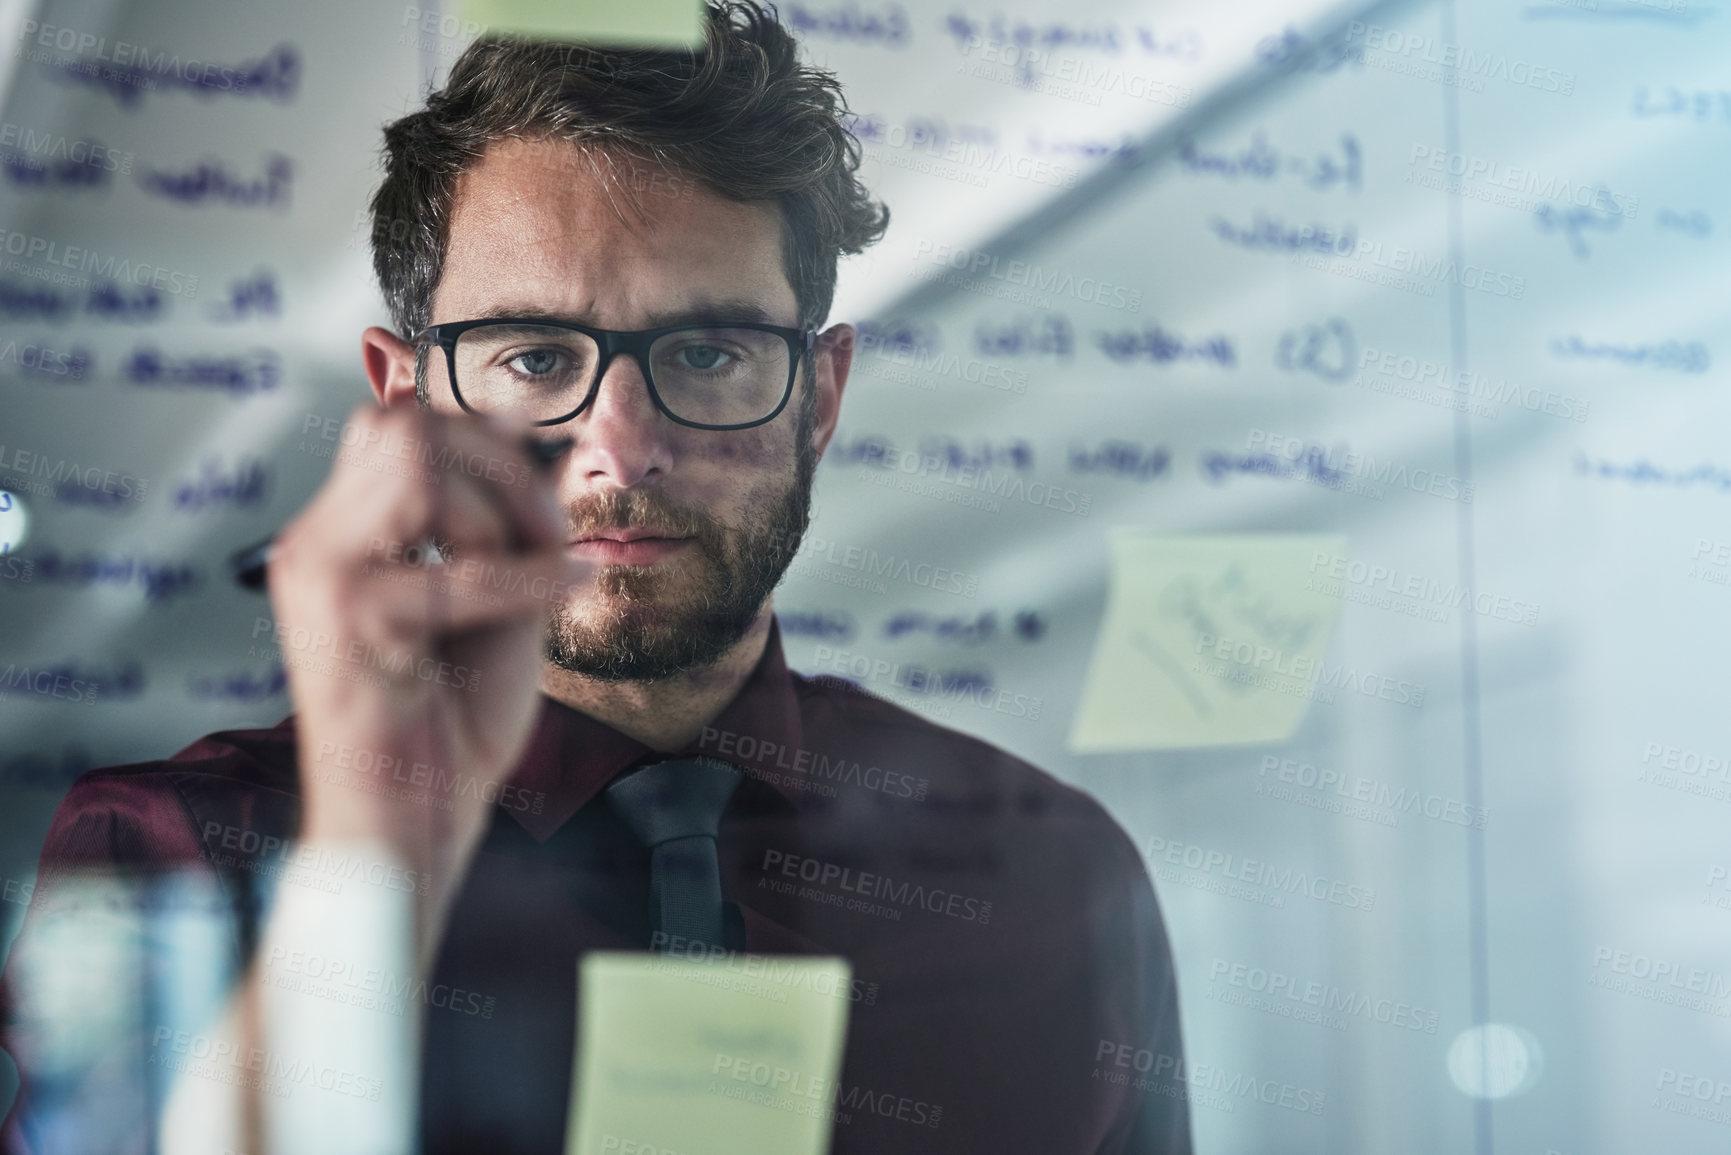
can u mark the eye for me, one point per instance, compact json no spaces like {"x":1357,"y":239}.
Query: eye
{"x":703,"y":357}
{"x":535,"y":362}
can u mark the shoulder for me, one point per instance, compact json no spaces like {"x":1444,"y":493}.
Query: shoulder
{"x":959,"y":775}
{"x":160,"y":812}
{"x":226,"y":761}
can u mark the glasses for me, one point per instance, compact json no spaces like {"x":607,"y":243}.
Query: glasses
{"x":723,"y":375}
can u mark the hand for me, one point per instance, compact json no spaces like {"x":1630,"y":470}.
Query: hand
{"x":419,"y":677}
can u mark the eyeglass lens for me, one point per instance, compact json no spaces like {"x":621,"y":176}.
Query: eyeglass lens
{"x":711,"y":375}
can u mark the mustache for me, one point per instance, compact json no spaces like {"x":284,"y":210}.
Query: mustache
{"x":641,"y":509}
{"x":645,"y":509}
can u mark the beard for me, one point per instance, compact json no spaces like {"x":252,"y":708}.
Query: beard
{"x":642,"y":625}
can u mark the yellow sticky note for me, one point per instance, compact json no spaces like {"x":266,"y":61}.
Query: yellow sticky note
{"x":736,"y":1057}
{"x":639,"y":23}
{"x":1208,"y":641}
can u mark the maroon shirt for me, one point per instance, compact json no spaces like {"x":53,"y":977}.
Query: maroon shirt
{"x":1010,"y":965}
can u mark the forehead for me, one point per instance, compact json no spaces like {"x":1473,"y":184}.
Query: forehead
{"x":616,"y":241}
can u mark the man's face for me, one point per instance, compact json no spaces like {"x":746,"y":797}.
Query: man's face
{"x":716,"y":516}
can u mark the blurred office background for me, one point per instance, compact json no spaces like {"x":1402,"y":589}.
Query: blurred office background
{"x":1352,"y":364}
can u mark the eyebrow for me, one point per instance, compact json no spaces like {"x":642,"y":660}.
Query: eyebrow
{"x":737,"y":309}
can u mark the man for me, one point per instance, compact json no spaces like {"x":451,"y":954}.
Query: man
{"x":636,"y":251}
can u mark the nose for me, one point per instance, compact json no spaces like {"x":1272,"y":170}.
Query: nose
{"x":621,"y":437}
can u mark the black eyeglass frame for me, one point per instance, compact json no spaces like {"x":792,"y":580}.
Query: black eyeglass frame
{"x":635,"y":343}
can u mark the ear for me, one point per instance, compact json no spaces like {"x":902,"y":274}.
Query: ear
{"x":833,"y":357}
{"x":390,"y":365}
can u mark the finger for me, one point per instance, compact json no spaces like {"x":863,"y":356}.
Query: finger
{"x":488,"y":457}
{"x":407,"y":472}
{"x":473,"y":513}
{"x":476,"y":590}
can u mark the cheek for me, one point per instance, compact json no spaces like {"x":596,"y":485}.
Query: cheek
{"x":741,"y":459}
{"x":443,"y":402}
{"x":437,"y":387}
{"x":738,"y":470}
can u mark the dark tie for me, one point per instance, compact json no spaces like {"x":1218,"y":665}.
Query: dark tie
{"x":675,"y":808}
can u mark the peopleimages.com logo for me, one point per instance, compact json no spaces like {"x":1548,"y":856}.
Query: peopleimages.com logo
{"x":1041,"y":280}
{"x":81,"y":260}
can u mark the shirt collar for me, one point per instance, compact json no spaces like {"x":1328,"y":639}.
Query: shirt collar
{"x":571,"y":757}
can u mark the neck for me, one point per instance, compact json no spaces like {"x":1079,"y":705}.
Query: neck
{"x":669,"y":714}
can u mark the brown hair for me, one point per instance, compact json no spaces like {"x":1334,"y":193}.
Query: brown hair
{"x":740,"y":116}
